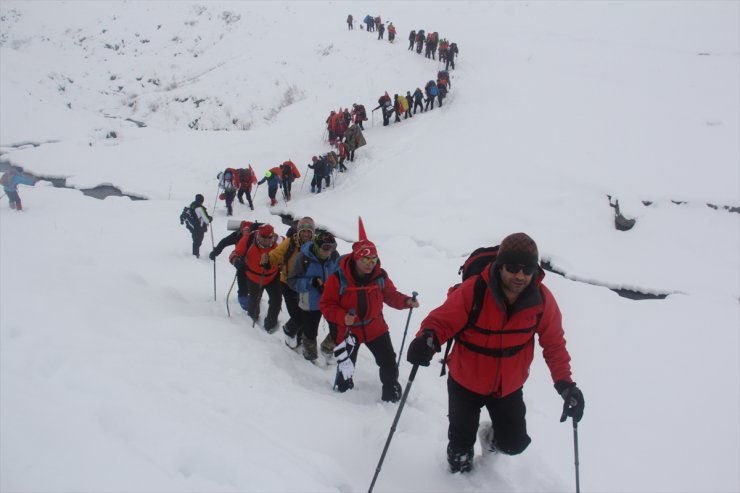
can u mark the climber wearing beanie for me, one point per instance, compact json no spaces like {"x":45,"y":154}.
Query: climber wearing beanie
{"x":252,"y":256}
{"x":199,"y":224}
{"x":353,"y":300}
{"x":489,"y":363}
{"x":314,"y":264}
{"x":284,"y":256}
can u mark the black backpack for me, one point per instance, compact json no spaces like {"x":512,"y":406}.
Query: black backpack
{"x":189,"y":218}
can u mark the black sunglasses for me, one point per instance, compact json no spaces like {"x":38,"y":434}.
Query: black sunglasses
{"x":515,"y":268}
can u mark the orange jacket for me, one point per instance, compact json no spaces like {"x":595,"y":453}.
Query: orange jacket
{"x":252,"y":254}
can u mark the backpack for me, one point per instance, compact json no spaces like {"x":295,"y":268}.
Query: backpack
{"x":245,"y":176}
{"x":5,"y":179}
{"x":380,"y":280}
{"x":189,"y":218}
{"x":332,"y":158}
{"x":474,"y":265}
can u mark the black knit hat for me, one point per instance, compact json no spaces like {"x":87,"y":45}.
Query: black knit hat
{"x":199,"y":199}
{"x":518,"y":248}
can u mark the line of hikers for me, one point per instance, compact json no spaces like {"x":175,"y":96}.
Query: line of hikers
{"x":408,"y":105}
{"x":304,"y":270}
{"x":501,"y":296}
{"x":431,"y":43}
{"x":237,"y":183}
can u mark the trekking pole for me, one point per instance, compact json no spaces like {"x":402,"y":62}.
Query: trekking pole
{"x":213,"y":247}
{"x":372,"y":121}
{"x":393,"y":426}
{"x":575,"y":447}
{"x":215,"y":201}
{"x":304,"y":177}
{"x":255,"y":192}
{"x":229,"y":294}
{"x":414,"y":294}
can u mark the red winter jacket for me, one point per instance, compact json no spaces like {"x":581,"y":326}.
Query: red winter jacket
{"x":493,"y":375}
{"x":366,"y":299}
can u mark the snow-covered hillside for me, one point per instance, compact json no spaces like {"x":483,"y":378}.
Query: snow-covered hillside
{"x":118,"y":371}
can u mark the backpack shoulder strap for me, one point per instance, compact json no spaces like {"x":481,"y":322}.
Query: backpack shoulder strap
{"x":342,"y":281}
{"x":479,"y":292}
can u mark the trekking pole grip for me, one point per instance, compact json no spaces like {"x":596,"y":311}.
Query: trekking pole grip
{"x":414,"y":294}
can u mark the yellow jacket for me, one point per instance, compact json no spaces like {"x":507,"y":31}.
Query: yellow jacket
{"x":278,"y":256}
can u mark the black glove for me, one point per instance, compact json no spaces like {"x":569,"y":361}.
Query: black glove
{"x":316,"y":282}
{"x":212,"y":255}
{"x":573,"y":400}
{"x":238,"y":263}
{"x":422,"y":349}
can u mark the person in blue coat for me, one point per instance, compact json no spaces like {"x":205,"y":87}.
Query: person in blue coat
{"x":10,"y":181}
{"x":315,"y":262}
{"x":273,"y":182}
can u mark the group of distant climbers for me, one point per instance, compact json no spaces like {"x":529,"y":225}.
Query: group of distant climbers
{"x":408,"y":105}
{"x":431,"y":43}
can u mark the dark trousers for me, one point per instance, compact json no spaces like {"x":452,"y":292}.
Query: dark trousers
{"x":287,"y":187}
{"x":411,"y":44}
{"x":293,"y":325}
{"x":385,"y":358}
{"x":245,"y":191}
{"x":242,"y":288}
{"x":255,"y":295}
{"x":272,"y":191}
{"x":417,"y":103}
{"x":507,"y":416}
{"x":386,"y":116}
{"x":429,"y":100}
{"x":197,"y":234}
{"x":15,"y":201}
{"x":450,"y":62}
{"x":316,"y":182}
{"x":229,"y":198}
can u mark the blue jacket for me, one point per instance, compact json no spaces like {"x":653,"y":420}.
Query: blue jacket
{"x":307,"y":266}
{"x":272,"y":182}
{"x":15,"y":180}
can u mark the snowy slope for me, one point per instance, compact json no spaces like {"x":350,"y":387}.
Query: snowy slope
{"x":118,"y":371}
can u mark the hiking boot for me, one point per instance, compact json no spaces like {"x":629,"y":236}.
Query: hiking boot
{"x":328,"y":345}
{"x":309,"y":348}
{"x":271,"y":325}
{"x":243,"y":301}
{"x":291,"y":340}
{"x":460,"y":461}
{"x":343,"y":385}
{"x":392,"y":393}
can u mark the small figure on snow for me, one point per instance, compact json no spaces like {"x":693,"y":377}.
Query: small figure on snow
{"x":10,"y":181}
